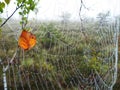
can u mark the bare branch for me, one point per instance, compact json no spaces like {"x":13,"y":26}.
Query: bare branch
{"x":82,"y":5}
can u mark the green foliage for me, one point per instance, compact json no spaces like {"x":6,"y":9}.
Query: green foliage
{"x":7,"y":1}
{"x":51,"y":33}
{"x":26,"y":7}
{"x":2,"y":6}
{"x":45,"y":61}
{"x":83,"y":57}
{"x":27,"y":62}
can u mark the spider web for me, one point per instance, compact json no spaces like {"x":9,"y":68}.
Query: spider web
{"x":79,"y":57}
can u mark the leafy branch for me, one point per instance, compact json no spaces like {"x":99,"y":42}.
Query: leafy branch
{"x":11,"y":15}
{"x":25,"y":7}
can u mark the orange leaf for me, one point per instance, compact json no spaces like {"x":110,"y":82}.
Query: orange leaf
{"x":27,"y":40}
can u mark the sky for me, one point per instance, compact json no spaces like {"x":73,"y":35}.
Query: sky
{"x":54,"y":9}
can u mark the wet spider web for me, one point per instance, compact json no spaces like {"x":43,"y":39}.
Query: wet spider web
{"x":79,"y":57}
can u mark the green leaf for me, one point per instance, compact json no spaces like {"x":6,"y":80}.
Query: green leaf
{"x":2,"y":4}
{"x":19,"y":1}
{"x":20,"y":13}
{"x":24,"y":18}
{"x":1,"y":10}
{"x":25,"y":12}
{"x":28,"y":62}
{"x":21,"y":22}
{"x":7,"y":1}
{"x":0,"y":20}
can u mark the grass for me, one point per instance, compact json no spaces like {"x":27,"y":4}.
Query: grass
{"x":59,"y":57}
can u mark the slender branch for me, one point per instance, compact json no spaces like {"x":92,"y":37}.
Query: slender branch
{"x":8,"y":17}
{"x":80,"y":9}
{"x":12,"y":59}
{"x":82,"y":5}
{"x":11,"y":15}
{"x":81,"y":20}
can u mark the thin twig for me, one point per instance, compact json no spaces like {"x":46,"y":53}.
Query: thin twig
{"x":12,"y":59}
{"x":81,"y":20}
{"x":11,"y":15}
